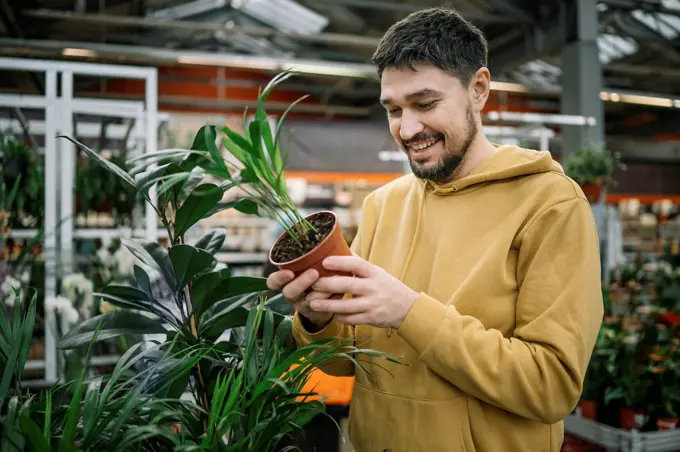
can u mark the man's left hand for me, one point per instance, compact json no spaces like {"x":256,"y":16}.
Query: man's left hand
{"x":379,"y":299}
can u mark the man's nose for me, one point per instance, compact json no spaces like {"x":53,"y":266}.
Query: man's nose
{"x":410,"y":126}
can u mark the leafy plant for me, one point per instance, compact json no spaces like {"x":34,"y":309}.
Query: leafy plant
{"x":228,"y":377}
{"x":20,"y":165}
{"x":592,"y":165}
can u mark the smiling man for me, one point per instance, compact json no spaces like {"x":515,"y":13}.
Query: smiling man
{"x":479,"y":271}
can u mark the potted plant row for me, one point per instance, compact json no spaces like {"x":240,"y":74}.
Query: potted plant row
{"x":632,"y":376}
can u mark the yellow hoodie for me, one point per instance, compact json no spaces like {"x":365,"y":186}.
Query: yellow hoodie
{"x":496,"y":347}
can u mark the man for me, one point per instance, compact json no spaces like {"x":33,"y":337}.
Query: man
{"x":479,"y":271}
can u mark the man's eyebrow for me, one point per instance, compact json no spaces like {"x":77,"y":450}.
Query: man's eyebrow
{"x":413,"y":96}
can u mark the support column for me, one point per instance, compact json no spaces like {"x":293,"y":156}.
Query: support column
{"x":582,"y":83}
{"x":582,"y":75}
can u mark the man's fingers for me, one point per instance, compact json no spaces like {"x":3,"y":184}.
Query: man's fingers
{"x":339,"y":285}
{"x":278,"y":280}
{"x":349,"y":264}
{"x":349,"y":306}
{"x":295,"y":289}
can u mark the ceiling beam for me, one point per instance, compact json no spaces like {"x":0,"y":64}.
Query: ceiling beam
{"x":110,"y":20}
{"x":474,"y":16}
{"x":541,"y":39}
{"x":515,"y":13}
{"x":651,"y":7}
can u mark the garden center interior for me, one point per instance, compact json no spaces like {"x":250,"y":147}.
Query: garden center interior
{"x":596,"y":83}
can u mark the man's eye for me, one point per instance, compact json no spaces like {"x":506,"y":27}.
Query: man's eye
{"x":393,"y":111}
{"x":425,"y":106}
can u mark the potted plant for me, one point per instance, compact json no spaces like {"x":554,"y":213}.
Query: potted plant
{"x":592,"y":169}
{"x":306,"y":241}
{"x":597,"y":376}
{"x":227,"y":377}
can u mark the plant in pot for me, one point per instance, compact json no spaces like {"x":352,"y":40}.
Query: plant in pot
{"x":664,"y":371}
{"x":597,"y":376}
{"x":227,"y":377}
{"x":592,"y":169}
{"x":260,"y":173}
{"x":629,"y":384}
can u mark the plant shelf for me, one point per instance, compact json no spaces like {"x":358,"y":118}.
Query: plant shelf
{"x":616,"y":439}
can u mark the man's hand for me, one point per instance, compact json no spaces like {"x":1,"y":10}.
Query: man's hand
{"x":297,"y":292}
{"x":379,"y":299}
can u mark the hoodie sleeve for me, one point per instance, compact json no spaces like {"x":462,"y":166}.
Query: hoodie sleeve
{"x":538,"y":373}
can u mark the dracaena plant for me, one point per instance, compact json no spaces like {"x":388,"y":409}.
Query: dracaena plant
{"x":260,"y":171}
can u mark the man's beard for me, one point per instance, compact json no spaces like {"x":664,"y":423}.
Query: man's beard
{"x":450,"y":161}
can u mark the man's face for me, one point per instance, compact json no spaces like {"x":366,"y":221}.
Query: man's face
{"x":431,"y":118}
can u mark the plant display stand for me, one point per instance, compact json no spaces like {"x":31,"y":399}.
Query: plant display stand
{"x":615,"y":439}
{"x":62,"y":109}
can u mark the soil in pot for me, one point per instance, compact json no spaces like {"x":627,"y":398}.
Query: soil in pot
{"x":326,"y":241}
{"x":287,"y":250}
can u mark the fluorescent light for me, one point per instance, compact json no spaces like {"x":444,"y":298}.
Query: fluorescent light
{"x":249,"y":62}
{"x":79,"y":52}
{"x":284,"y":15}
{"x":646,"y":100}
{"x":509,"y":87}
{"x":327,"y":69}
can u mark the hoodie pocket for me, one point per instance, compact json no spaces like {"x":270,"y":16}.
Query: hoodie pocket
{"x":381,"y":421}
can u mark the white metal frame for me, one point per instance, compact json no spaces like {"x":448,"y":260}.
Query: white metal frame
{"x":60,"y":155}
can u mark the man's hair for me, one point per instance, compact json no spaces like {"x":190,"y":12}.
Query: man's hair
{"x":435,"y":36}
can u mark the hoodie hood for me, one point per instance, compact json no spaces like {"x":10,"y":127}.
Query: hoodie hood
{"x":507,"y":162}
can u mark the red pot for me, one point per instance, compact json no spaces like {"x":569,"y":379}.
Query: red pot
{"x":333,"y":245}
{"x":665,"y":423}
{"x":630,"y":418}
{"x":588,"y":409}
{"x":592,"y":191}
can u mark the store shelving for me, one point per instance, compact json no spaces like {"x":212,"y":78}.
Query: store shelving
{"x":615,"y":439}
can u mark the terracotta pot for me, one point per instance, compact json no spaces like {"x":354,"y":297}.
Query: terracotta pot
{"x":333,"y":245}
{"x":630,"y":418}
{"x":666,"y":423}
{"x":592,"y":191}
{"x":588,"y":409}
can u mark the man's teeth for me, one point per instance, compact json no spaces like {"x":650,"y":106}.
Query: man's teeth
{"x":421,"y":146}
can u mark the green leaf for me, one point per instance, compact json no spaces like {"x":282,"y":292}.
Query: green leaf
{"x":244,"y":205}
{"x":190,"y":185}
{"x":205,"y":286}
{"x":124,"y":291}
{"x":33,"y":434}
{"x":231,"y":287}
{"x":210,"y":136}
{"x":143,"y":281}
{"x":115,"y":169}
{"x":189,"y":262}
{"x":236,"y":317}
{"x":211,"y":241}
{"x":155,"y":256}
{"x":145,"y":180}
{"x":201,"y":201}
{"x":27,"y":327}
{"x":113,"y":324}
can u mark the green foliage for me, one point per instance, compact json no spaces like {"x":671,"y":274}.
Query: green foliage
{"x":195,"y":391}
{"x":592,"y":165}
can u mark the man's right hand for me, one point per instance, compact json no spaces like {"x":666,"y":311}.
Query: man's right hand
{"x":297,"y":292}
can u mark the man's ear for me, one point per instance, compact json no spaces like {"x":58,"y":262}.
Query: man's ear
{"x":480,"y":86}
